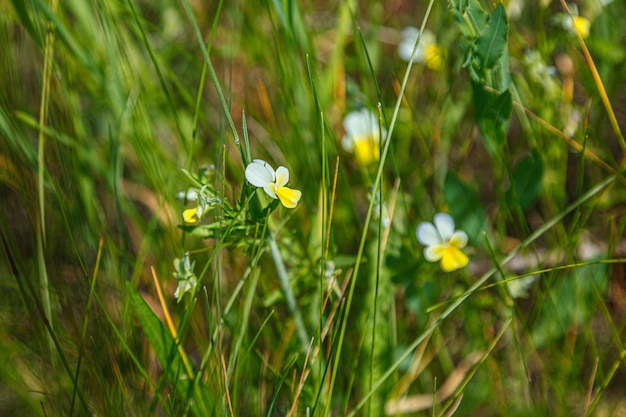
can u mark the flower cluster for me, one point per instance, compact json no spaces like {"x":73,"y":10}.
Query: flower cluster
{"x":185,"y":276}
{"x":206,"y":200}
{"x":443,"y":242}
{"x":362,"y":137}
{"x":261,"y":174}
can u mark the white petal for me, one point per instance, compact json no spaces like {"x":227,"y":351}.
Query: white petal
{"x":352,"y":123}
{"x":458,"y":239}
{"x":427,"y":234}
{"x":445,"y":224}
{"x":405,"y":47}
{"x":270,"y":189}
{"x":360,"y":123}
{"x":433,"y":253}
{"x":259,"y":173}
{"x":409,"y":37}
{"x":282,"y":176}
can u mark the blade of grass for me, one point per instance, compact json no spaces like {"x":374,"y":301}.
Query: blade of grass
{"x":599,"y":84}
{"x":375,"y":189}
{"x":157,"y":69}
{"x":83,"y":333}
{"x":207,"y":59}
{"x":41,"y":168}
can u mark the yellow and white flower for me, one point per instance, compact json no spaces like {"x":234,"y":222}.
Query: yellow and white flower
{"x":576,"y":23}
{"x":261,"y":174}
{"x":443,"y":243}
{"x":362,"y":137}
{"x":428,"y":52}
{"x":205,"y":199}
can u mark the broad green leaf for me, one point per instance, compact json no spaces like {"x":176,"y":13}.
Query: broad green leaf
{"x":503,"y":80}
{"x":160,"y":340}
{"x":526,"y":182}
{"x":465,"y":207}
{"x":493,"y":112}
{"x":492,"y":41}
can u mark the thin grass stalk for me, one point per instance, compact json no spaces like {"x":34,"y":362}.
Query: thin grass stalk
{"x":243,"y":326}
{"x":196,"y":113}
{"x":157,"y":69}
{"x":213,"y":74}
{"x":292,"y":305}
{"x":599,"y":84}
{"x":41,"y":168}
{"x":375,"y":189}
{"x":83,"y":333}
{"x":170,"y":324}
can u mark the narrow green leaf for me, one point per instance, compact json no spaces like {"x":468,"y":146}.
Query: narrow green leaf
{"x":492,"y":41}
{"x":160,"y":340}
{"x":465,"y":207}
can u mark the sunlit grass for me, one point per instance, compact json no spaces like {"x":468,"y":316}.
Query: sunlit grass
{"x":150,"y":269}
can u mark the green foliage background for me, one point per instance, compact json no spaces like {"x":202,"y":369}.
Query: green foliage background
{"x":109,"y":109}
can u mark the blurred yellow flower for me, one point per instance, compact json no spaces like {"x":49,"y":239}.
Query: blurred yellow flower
{"x":261,"y":174}
{"x":362,"y":137}
{"x":443,"y":243}
{"x":582,"y":26}
{"x":576,"y":23}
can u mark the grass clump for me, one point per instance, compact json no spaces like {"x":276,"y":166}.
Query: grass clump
{"x":311,"y":208}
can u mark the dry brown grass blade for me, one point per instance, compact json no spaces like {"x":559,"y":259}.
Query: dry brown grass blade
{"x":170,"y":325}
{"x":598,"y":82}
{"x":570,"y":141}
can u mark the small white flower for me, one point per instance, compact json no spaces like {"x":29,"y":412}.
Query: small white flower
{"x":362,"y":136}
{"x":185,"y":286}
{"x":185,"y":276}
{"x":443,"y":243}
{"x":261,"y":174}
{"x":428,"y":52}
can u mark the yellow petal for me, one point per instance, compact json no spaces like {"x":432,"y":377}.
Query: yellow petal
{"x":288,"y":197}
{"x":582,"y":26}
{"x":366,"y":150}
{"x":453,"y":259}
{"x":433,"y":56}
{"x":189,"y":215}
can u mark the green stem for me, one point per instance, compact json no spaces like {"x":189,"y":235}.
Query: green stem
{"x":375,"y":189}
{"x":283,"y":276}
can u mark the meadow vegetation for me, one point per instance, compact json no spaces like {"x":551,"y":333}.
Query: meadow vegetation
{"x":312,"y":208}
